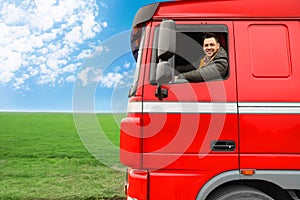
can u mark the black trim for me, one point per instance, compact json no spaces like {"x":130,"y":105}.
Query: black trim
{"x":145,"y":13}
{"x":202,"y":28}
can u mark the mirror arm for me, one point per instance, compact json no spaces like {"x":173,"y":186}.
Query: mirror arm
{"x":161,"y":93}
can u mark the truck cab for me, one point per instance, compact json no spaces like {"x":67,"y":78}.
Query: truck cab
{"x":233,"y":136}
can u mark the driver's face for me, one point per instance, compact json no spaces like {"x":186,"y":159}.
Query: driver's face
{"x":210,"y":46}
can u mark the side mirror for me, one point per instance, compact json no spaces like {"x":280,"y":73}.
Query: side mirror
{"x":163,"y":72}
{"x":166,"y":49}
{"x":166,"y":40}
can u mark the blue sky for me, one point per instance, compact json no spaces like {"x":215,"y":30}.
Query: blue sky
{"x":49,"y":47}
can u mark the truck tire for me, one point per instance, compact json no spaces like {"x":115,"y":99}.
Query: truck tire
{"x":238,"y":192}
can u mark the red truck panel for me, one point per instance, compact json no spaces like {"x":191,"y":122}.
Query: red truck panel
{"x":267,"y":61}
{"x":229,"y":9}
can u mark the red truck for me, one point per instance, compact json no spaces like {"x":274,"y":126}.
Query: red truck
{"x":234,"y":137}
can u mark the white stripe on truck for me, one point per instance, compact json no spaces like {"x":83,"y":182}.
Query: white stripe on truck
{"x":215,"y":107}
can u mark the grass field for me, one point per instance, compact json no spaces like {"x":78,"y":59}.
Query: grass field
{"x":42,"y":157}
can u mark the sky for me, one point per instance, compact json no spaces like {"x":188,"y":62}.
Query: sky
{"x":56,"y":55}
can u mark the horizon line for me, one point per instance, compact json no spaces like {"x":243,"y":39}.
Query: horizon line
{"x":58,"y":111}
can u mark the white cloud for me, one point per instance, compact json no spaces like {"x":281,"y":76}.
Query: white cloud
{"x":5,"y":77}
{"x":84,"y":54}
{"x":74,"y":36}
{"x":71,"y":79}
{"x":126,"y":65}
{"x":11,"y":14}
{"x":11,"y":58}
{"x":112,"y":77}
{"x":104,"y":24}
{"x":89,"y":26}
{"x":70,"y":68}
{"x":45,"y":42}
{"x":84,"y":76}
{"x":19,"y":82}
{"x":111,"y":80}
{"x":33,"y":71}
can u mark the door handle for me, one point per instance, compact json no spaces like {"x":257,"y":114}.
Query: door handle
{"x":222,"y":145}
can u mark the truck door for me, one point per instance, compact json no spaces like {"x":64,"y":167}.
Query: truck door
{"x":194,"y":126}
{"x":268,"y":83}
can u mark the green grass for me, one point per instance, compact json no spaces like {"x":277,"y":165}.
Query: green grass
{"x":42,"y":157}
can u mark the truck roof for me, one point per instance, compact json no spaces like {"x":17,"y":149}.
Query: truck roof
{"x":234,"y":9}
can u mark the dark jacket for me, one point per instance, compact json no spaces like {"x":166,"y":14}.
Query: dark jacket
{"x":215,"y":69}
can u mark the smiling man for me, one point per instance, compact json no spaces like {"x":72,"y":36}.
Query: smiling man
{"x":213,"y":65}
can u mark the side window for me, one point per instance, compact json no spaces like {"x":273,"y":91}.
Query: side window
{"x":201,"y":53}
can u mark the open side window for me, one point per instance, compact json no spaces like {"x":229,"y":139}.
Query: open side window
{"x":189,"y":50}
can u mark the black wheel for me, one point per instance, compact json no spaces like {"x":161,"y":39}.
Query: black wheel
{"x":238,"y":192}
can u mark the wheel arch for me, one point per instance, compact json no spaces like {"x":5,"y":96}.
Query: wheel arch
{"x":216,"y":182}
{"x":279,"y":187}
